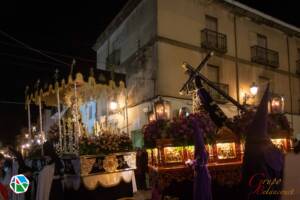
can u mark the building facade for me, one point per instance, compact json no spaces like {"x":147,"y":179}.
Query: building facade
{"x":149,"y":40}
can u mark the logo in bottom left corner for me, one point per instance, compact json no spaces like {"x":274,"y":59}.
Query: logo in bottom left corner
{"x":19,"y":184}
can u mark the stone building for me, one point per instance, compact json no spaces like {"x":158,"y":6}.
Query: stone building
{"x":149,"y":39}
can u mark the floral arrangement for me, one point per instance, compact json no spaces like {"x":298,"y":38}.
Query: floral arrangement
{"x":180,"y":130}
{"x":105,"y":143}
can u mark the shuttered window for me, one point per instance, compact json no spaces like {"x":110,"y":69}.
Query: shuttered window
{"x":213,"y":73}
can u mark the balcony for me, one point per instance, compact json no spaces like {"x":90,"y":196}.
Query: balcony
{"x":215,"y":95}
{"x":298,"y":67}
{"x":213,"y":40}
{"x":264,"y":56}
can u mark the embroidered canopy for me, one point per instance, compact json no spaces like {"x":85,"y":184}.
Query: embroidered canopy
{"x":86,"y":88}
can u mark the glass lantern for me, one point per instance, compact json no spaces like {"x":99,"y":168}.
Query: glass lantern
{"x":277,"y":104}
{"x":162,"y":109}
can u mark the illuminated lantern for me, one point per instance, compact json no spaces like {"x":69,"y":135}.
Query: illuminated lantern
{"x":253,"y":89}
{"x":151,"y":116}
{"x":277,"y":104}
{"x":162,"y":109}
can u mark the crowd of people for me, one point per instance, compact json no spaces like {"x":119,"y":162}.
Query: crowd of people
{"x":48,"y":185}
{"x":44,"y":185}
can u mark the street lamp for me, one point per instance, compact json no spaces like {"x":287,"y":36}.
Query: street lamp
{"x":253,"y":93}
{"x":253,"y":89}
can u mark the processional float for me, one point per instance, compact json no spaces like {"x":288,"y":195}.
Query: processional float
{"x":168,"y":157}
{"x":105,"y":153}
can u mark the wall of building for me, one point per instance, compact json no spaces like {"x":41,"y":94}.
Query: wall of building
{"x":181,"y":42}
{"x":175,"y":26}
{"x":138,"y":26}
{"x":139,"y":64}
{"x":190,"y":20}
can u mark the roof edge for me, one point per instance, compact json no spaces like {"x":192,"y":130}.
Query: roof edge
{"x":263,"y":15}
{"x":118,"y":20}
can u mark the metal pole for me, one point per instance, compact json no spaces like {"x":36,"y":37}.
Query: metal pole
{"x":236,"y":62}
{"x":126,"y":112}
{"x":76,"y":115}
{"x":59,"y":118}
{"x":41,"y":122}
{"x":29,"y":119}
{"x":290,"y":81}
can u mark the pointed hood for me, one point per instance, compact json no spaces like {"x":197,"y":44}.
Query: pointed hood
{"x":261,"y":155}
{"x":202,"y":178}
{"x":258,"y":130}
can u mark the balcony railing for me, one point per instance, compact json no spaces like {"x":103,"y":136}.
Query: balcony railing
{"x":264,"y":56}
{"x":215,"y":95}
{"x":298,"y":67}
{"x":213,"y":40}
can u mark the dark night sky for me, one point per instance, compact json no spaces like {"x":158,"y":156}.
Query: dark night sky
{"x":65,"y":30}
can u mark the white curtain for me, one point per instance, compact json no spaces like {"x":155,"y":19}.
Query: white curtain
{"x":44,"y":182}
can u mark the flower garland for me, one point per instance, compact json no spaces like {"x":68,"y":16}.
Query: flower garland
{"x":180,"y":130}
{"x":105,"y":143}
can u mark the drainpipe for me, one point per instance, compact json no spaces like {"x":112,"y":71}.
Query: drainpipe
{"x":290,"y":80}
{"x":236,"y":60}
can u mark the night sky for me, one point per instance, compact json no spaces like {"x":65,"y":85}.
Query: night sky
{"x":64,"y":32}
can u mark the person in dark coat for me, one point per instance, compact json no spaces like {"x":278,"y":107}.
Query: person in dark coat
{"x":142,"y":168}
{"x":262,"y":169}
{"x":56,"y":192}
{"x":23,"y":169}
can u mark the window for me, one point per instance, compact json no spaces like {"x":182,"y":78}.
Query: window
{"x":211,"y":38}
{"x":113,"y":59}
{"x":213,"y":73}
{"x":211,"y":23}
{"x":262,"y":41}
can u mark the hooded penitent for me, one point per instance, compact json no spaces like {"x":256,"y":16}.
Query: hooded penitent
{"x":263,"y":161}
{"x":202,"y":179}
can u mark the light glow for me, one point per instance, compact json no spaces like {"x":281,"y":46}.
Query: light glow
{"x":113,"y":105}
{"x":253,"y":89}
